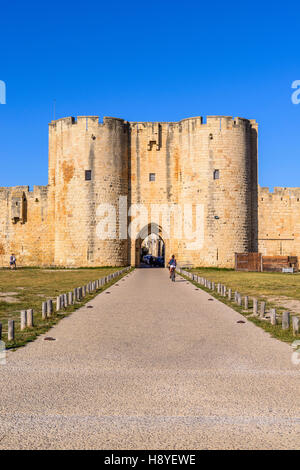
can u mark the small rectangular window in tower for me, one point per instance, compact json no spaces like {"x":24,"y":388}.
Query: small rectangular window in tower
{"x":216,"y":174}
{"x":88,"y":175}
{"x":151,"y":176}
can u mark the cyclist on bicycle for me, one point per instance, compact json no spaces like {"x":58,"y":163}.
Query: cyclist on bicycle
{"x":172,"y":265}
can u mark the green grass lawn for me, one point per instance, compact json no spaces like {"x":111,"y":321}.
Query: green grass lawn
{"x":260,"y":285}
{"x":280,"y":291}
{"x":28,"y":288}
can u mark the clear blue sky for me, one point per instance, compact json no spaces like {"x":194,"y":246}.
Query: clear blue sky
{"x":148,"y":61}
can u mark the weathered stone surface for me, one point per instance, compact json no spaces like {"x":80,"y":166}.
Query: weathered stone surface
{"x":278,"y":220}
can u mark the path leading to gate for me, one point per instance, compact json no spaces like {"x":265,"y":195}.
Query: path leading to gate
{"x":153,"y":364}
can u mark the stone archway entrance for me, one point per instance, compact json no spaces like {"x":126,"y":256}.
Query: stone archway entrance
{"x":151,"y":232}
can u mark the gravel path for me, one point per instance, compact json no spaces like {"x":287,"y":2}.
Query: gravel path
{"x":153,"y":365}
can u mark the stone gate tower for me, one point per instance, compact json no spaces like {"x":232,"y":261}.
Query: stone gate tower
{"x":155,"y":165}
{"x":88,"y":166}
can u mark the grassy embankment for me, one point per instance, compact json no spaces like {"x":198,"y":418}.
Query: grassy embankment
{"x":29,"y":287}
{"x":278,"y":290}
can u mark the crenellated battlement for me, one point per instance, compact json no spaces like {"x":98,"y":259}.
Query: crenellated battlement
{"x":195,"y":125}
{"x":85,"y":122}
{"x":37,"y":189}
{"x":279,"y":192}
{"x":214,"y":122}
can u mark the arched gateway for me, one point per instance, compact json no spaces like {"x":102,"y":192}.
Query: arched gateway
{"x":146,"y":231}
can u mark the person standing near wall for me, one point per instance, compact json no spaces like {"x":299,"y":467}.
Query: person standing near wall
{"x":13,"y":262}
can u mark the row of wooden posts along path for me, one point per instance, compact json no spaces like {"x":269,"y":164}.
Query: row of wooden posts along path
{"x":62,"y":302}
{"x":258,"y":308}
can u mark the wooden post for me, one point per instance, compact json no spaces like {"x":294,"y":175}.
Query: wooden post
{"x":49,"y":307}
{"x":246,"y":302}
{"x":273,"y":317}
{"x":70,"y":298}
{"x":296,"y":325}
{"x":255,"y":306}
{"x":285,"y":320}
{"x":229,"y":294}
{"x":30,"y":318}
{"x":23,"y":319}
{"x":65,"y":297}
{"x":262,"y":309}
{"x":11,"y":330}
{"x":239,"y":299}
{"x":44,"y":310}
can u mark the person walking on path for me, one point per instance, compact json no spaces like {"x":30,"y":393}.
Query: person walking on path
{"x":172,"y":266}
{"x":13,"y":262}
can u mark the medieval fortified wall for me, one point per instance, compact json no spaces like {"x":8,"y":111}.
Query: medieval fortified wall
{"x":191,"y":162}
